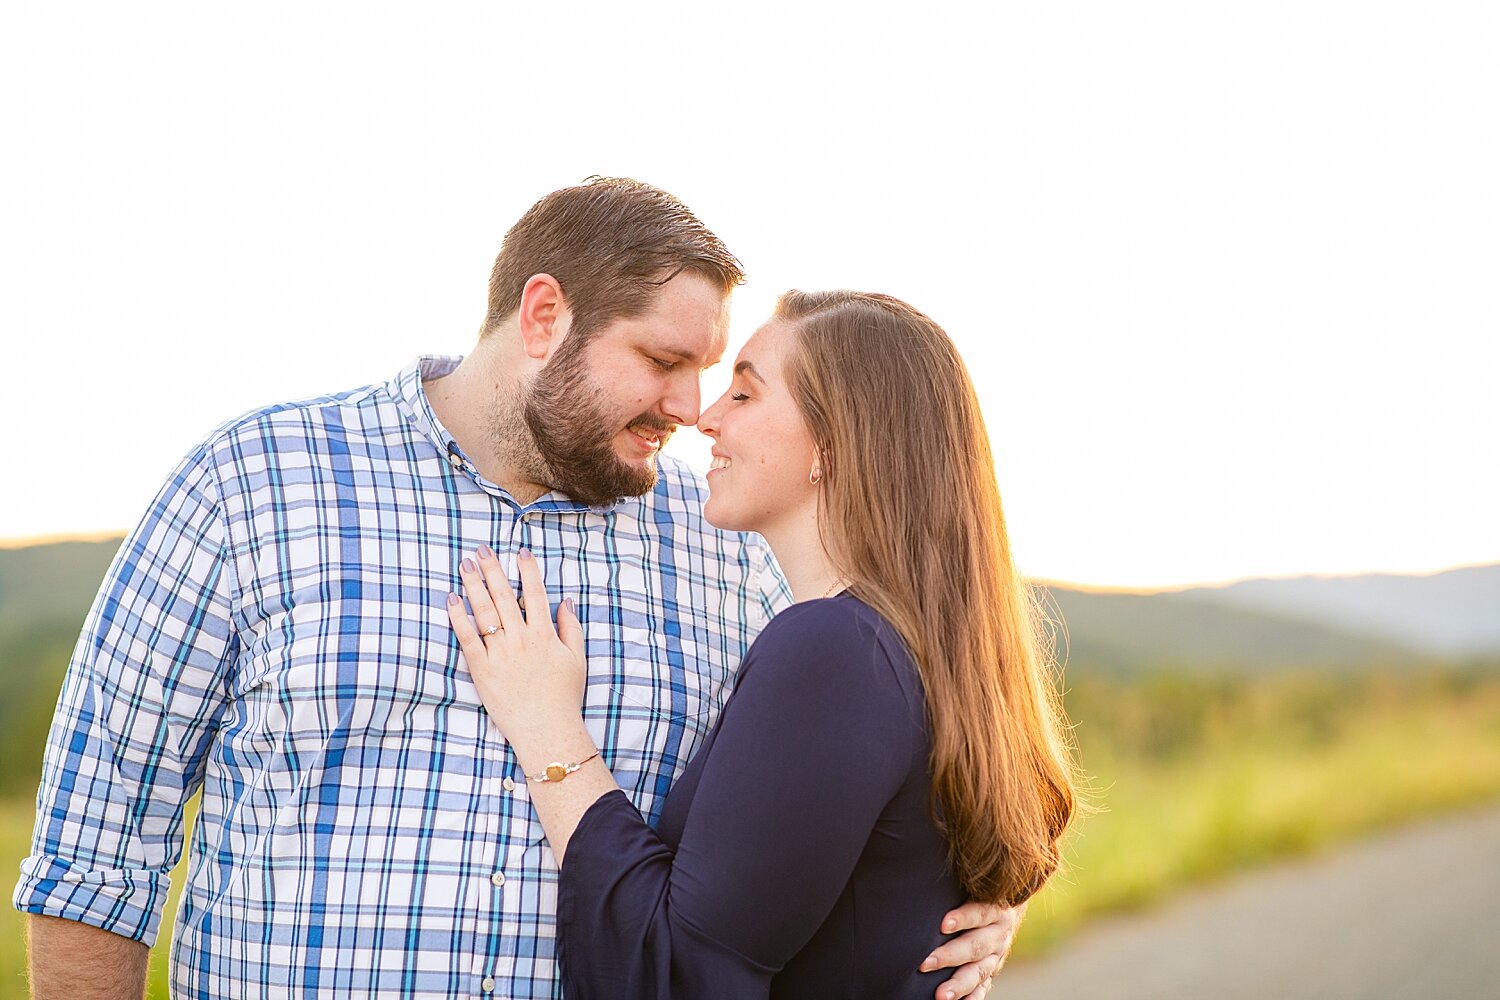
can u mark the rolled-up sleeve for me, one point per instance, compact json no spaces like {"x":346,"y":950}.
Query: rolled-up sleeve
{"x":143,"y":694}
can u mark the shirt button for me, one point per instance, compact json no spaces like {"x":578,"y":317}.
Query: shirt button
{"x":488,"y":984}
{"x":497,"y":879}
{"x":508,"y":785}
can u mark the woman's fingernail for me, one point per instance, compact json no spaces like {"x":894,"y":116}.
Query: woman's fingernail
{"x":455,"y":599}
{"x":525,"y":554}
{"x":950,"y":925}
{"x":469,"y":565}
{"x":485,"y":552}
{"x":572,"y":608}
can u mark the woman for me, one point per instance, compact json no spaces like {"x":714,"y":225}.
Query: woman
{"x":893,"y":745}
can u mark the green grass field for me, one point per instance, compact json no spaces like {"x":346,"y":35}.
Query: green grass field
{"x":1193,"y":778}
{"x":16,"y":818}
{"x":1229,"y":776}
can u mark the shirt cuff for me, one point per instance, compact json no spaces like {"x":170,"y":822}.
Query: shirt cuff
{"x":124,"y":901}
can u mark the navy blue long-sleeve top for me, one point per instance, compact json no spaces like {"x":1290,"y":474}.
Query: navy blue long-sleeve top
{"x":796,"y":856}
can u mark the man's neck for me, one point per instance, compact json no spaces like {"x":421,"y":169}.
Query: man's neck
{"x":479,"y":402}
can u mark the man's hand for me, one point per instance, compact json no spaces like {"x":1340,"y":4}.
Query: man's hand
{"x":70,"y":960}
{"x":978,"y":952}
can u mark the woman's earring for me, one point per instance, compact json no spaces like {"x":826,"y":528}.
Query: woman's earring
{"x":816,"y":475}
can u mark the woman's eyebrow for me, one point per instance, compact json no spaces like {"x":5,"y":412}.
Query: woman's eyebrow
{"x":745,"y":366}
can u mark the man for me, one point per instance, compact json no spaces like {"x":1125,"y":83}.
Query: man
{"x":274,"y":632}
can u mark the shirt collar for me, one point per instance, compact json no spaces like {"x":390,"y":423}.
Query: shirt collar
{"x":411,"y":399}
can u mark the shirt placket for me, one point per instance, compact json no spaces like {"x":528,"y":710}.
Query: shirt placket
{"x":507,"y":825}
{"x":503,"y":880}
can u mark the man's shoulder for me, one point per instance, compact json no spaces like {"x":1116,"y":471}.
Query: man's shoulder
{"x":309,"y":413}
{"x":289,"y":433}
{"x":290,"y":425}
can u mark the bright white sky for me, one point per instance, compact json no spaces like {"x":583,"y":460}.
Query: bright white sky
{"x":1227,"y":275}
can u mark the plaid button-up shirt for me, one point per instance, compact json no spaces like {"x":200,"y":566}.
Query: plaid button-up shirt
{"x":274,"y":631}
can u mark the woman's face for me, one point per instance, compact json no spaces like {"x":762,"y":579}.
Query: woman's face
{"x":762,"y":450}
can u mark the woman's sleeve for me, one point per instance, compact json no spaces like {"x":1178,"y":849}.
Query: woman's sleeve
{"x":817,"y":739}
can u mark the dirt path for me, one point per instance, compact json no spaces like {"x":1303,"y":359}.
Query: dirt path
{"x":1413,"y":914}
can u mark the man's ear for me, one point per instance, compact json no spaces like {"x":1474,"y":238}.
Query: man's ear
{"x":543,"y":317}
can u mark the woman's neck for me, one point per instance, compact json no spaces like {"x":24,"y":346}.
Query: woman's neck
{"x":798,"y":548}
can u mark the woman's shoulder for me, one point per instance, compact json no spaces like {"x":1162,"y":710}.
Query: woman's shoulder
{"x":843,"y":638}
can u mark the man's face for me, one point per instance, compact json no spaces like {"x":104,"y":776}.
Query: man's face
{"x":601,"y":409}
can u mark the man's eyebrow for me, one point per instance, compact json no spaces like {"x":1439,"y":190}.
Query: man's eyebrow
{"x":745,"y":366}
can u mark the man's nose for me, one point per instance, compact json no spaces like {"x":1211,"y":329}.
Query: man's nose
{"x":682,"y":402}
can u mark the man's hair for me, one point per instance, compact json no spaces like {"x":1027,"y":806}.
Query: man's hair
{"x":611,"y":243}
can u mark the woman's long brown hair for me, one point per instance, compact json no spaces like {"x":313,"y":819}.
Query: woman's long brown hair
{"x":913,"y":520}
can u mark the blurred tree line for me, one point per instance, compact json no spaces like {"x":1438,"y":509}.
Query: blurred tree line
{"x":1162,"y":716}
{"x":1148,"y":678}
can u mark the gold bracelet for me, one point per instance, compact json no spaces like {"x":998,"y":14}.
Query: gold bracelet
{"x":557,"y":770}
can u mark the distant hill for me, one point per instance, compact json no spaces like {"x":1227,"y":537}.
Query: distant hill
{"x":1132,"y":633}
{"x":54,"y":581}
{"x":45,"y":593}
{"x":1454,"y":613}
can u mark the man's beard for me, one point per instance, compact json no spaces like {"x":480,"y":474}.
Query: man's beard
{"x":573,"y":433}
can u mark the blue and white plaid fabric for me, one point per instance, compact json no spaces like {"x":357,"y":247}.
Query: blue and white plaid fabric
{"x":274,"y":631}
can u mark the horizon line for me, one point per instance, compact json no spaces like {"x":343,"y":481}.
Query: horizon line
{"x":1221,"y":583}
{"x":57,"y":538}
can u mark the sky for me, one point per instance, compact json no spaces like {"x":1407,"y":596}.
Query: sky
{"x":1227,"y":276}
